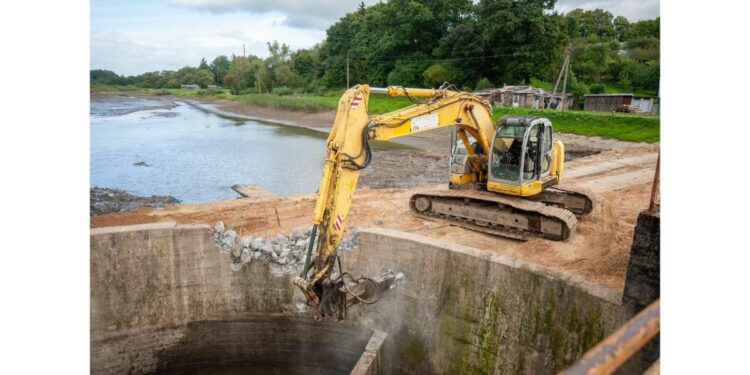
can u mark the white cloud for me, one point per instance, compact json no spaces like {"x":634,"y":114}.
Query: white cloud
{"x":171,"y":43}
{"x":301,"y":14}
{"x":633,"y":10}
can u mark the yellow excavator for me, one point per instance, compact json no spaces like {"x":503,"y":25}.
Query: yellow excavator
{"x":502,"y":179}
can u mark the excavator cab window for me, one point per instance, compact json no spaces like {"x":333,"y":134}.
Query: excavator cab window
{"x":521,"y":154}
{"x":507,"y":152}
{"x":546,"y":148}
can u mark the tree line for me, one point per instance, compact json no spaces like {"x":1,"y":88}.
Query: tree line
{"x":428,"y":42}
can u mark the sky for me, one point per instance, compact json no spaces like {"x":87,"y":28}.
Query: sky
{"x":137,"y":36}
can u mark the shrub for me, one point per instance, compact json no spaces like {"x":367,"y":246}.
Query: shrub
{"x":596,"y":88}
{"x":210,"y":92}
{"x":282,"y":90}
{"x":484,"y":83}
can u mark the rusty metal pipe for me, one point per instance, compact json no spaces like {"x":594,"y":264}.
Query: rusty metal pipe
{"x":608,"y":355}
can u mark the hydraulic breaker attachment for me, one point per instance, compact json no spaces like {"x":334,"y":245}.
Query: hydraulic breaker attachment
{"x":334,"y":296}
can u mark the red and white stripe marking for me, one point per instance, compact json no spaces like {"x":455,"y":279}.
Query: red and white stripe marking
{"x":339,"y":223}
{"x":357,"y":99}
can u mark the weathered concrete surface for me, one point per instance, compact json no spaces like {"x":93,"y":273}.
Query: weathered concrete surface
{"x":642,"y":285}
{"x":266,"y":344}
{"x":163,"y":299}
{"x":464,"y":310}
{"x":161,"y":290}
{"x":370,"y":361}
{"x":643,"y":281}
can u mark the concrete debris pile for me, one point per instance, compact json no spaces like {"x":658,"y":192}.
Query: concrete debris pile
{"x":285,"y":251}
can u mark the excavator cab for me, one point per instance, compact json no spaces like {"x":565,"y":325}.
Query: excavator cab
{"x":522,"y":155}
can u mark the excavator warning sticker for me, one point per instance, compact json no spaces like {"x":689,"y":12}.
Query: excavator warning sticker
{"x":424,"y":122}
{"x":357,"y":99}
{"x":339,"y":222}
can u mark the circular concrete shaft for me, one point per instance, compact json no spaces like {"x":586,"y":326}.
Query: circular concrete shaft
{"x":265,"y":345}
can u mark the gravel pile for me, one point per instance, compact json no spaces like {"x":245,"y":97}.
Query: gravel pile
{"x":284,"y":251}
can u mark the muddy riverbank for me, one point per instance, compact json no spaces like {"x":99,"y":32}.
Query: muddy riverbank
{"x":106,"y":201}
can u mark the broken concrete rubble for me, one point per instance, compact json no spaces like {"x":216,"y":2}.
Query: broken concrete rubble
{"x":285,"y":252}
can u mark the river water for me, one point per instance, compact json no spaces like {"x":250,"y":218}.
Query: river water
{"x":196,"y":156}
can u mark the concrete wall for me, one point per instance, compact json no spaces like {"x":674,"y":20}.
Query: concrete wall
{"x":642,"y":286}
{"x":464,"y":310}
{"x":155,"y":288}
{"x":162,"y":294}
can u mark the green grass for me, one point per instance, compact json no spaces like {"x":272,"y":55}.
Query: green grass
{"x":625,"y":127}
{"x":114,"y":88}
{"x":307,"y":103}
{"x":380,"y":104}
{"x":314,"y":103}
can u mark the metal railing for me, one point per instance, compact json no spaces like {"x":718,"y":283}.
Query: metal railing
{"x":612,"y":352}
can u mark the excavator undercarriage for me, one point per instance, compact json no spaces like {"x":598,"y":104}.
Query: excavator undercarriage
{"x":550,"y":215}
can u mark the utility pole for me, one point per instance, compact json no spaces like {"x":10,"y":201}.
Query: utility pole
{"x":559,"y":76}
{"x":347,"y":70}
{"x":564,"y":101}
{"x":243,"y":50}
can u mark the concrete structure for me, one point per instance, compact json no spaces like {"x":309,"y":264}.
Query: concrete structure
{"x":464,"y":310}
{"x":190,"y":87}
{"x":643,"y":276}
{"x":163,"y":299}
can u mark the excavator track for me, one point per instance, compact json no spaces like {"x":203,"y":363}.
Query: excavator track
{"x":579,"y":201}
{"x":488,"y":212}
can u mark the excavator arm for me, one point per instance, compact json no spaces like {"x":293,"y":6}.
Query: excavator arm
{"x":348,"y":152}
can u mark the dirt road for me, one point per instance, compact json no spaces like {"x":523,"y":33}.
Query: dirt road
{"x":598,"y":251}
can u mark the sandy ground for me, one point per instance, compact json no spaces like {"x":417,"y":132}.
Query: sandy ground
{"x":598,"y":251}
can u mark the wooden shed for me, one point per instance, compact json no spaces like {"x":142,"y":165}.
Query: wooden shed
{"x":606,"y":102}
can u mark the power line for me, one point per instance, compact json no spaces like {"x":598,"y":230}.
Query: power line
{"x":515,"y":54}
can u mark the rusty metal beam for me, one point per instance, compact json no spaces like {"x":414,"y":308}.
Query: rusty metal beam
{"x":608,"y":355}
{"x":655,"y":187}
